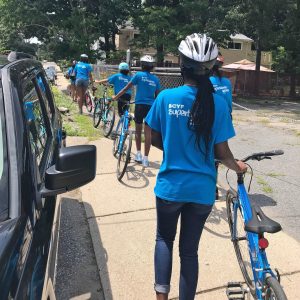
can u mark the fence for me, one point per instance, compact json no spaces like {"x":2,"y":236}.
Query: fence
{"x":243,"y":82}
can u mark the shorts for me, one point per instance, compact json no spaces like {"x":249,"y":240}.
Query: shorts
{"x":82,"y":83}
{"x":73,"y":82}
{"x":123,"y":104}
{"x":141,"y":111}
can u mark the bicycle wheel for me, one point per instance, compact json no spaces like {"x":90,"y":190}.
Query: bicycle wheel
{"x":240,"y":242}
{"x":97,"y":114}
{"x":124,"y":156}
{"x":273,"y":290}
{"x":117,"y":137}
{"x":108,"y":121}
{"x":88,"y":102}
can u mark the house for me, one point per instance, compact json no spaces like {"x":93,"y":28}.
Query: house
{"x":240,"y":47}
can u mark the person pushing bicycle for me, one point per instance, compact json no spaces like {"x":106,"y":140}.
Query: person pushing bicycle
{"x":192,"y":125}
{"x":119,"y":81}
{"x":148,"y":87}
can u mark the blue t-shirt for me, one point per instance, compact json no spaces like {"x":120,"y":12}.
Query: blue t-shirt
{"x":71,"y":72}
{"x":83,"y":70}
{"x":186,"y":175}
{"x":223,"y":88}
{"x":29,"y":111}
{"x":147,"y":84}
{"x":119,"y":81}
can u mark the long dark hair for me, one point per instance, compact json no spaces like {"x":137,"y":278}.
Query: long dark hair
{"x":216,"y":71}
{"x":202,"y":115}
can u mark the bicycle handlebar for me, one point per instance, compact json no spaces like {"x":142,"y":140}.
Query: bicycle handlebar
{"x":263,"y":155}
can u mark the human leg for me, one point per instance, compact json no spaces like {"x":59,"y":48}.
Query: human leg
{"x":167,"y":218}
{"x":147,"y":131}
{"x":193,"y":218}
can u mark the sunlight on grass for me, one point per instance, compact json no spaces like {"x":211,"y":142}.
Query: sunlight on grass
{"x":75,"y":124}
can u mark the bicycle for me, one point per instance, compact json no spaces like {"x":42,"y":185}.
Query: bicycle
{"x":89,"y":99}
{"x":123,"y":142}
{"x":247,"y":225}
{"x":104,"y":111}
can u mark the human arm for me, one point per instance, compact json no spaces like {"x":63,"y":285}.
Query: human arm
{"x":224,"y":154}
{"x":91,"y":78}
{"x":156,"y":140}
{"x":122,"y":92}
{"x":102,"y":81}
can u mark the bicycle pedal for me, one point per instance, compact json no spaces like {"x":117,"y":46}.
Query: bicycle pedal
{"x":236,"y":291}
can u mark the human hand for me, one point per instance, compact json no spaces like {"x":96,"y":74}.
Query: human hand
{"x":113,"y":98}
{"x":242,"y":167}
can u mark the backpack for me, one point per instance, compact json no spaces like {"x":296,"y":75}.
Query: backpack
{"x":73,"y":74}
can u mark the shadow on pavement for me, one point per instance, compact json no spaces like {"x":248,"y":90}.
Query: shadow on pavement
{"x":134,"y":177}
{"x":77,"y":272}
{"x":101,"y":253}
{"x":217,"y":216}
{"x":262,"y":200}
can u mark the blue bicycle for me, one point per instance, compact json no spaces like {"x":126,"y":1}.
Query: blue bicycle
{"x":247,"y":225}
{"x":123,"y":141}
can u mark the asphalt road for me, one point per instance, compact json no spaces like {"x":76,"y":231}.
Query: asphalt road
{"x":276,"y":184}
{"x":77,"y":271}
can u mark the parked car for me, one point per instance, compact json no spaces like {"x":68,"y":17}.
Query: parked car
{"x":34,"y":169}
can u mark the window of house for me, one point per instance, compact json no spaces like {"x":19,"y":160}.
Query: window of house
{"x":136,"y":35}
{"x":35,"y":120}
{"x":3,"y":167}
{"x":235,"y":45}
{"x":253,"y":48}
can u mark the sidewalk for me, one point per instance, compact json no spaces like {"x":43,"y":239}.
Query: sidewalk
{"x":122,"y":223}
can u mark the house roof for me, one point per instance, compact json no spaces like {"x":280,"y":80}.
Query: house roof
{"x":241,"y":37}
{"x":246,"y":65}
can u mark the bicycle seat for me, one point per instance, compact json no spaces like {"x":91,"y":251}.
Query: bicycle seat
{"x":260,"y":223}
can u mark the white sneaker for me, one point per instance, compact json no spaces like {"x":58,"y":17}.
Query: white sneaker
{"x":138,"y":157}
{"x":145,"y":162}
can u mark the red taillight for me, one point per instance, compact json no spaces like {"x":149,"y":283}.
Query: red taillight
{"x":263,"y":243}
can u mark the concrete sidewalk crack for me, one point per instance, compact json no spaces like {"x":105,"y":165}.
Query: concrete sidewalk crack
{"x":121,"y":213}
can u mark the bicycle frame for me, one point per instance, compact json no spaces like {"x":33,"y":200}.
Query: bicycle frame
{"x":124,"y":129}
{"x":259,"y":262}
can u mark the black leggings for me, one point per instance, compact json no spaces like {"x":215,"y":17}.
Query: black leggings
{"x":123,"y":104}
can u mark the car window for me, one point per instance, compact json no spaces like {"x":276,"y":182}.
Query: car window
{"x":44,"y":91}
{"x":3,"y":167}
{"x":35,"y":120}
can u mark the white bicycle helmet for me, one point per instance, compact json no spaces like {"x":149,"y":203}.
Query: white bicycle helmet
{"x":84,"y":56}
{"x":198,"y":52}
{"x":147,"y":60}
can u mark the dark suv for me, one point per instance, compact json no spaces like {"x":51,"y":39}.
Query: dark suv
{"x":34,"y":168}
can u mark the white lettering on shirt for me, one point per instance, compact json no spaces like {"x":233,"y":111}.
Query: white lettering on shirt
{"x":149,"y":81}
{"x":178,"y":110}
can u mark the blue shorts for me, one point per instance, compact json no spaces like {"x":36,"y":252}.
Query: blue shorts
{"x":82,"y":83}
{"x":73,"y":82}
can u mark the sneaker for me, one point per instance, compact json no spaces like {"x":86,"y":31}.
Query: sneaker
{"x":138,"y":157}
{"x":145,"y":162}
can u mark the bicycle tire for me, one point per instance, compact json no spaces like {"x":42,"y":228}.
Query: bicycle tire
{"x":124,"y":156}
{"x":97,"y":115}
{"x":88,"y":102}
{"x":243,"y":258}
{"x":117,"y":137}
{"x":108,"y":124}
{"x":273,"y":290}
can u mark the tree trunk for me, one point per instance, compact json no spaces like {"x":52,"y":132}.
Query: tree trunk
{"x":257,"y":67}
{"x":160,"y":55}
{"x":293,"y":85}
{"x":106,"y":44}
{"x":113,"y":41}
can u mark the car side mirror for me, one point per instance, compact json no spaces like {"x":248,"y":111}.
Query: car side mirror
{"x":75,"y":167}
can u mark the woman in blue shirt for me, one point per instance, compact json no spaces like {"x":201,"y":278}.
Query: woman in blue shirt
{"x":191,"y":125}
{"x":221,"y":84}
{"x":72,"y":75}
{"x":119,"y":81}
{"x":148,"y":87}
{"x":83,"y":75}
